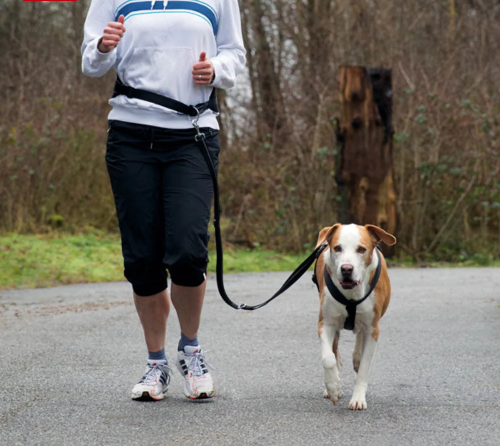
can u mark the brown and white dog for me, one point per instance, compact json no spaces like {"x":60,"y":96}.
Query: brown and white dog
{"x":351,"y":262}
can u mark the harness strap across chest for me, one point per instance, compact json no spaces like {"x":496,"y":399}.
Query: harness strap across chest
{"x":351,"y":304}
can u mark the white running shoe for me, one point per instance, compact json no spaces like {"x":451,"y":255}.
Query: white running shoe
{"x":154,"y":384}
{"x":198,"y":383}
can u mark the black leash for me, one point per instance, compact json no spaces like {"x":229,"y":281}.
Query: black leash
{"x":351,"y":304}
{"x":296,"y":275}
{"x":195,"y":112}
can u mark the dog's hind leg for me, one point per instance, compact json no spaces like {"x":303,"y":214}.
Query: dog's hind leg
{"x":358,"y":351}
{"x":330,"y":365}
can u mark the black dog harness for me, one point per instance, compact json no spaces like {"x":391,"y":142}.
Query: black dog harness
{"x":194,"y":112}
{"x":350,"y":304}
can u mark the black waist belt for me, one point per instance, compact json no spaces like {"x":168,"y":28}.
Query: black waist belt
{"x":190,"y":110}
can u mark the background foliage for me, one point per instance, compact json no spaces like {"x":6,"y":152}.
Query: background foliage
{"x":277,"y":163}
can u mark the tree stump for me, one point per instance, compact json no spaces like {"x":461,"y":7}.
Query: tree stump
{"x":364,"y":165}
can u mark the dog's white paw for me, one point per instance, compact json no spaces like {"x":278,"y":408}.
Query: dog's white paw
{"x":358,"y":404}
{"x":333,"y":391}
{"x":325,"y":394}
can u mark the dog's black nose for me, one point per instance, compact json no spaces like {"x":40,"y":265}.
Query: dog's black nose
{"x":346,"y":270}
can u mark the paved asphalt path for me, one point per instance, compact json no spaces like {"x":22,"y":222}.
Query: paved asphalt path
{"x":69,"y":357}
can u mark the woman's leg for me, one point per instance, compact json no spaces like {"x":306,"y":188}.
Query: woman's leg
{"x":188,"y":302}
{"x":187,"y":198}
{"x":136,"y":177}
{"x":153,"y":312}
{"x":135,"y":173}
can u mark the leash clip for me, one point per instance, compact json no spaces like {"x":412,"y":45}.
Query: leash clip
{"x":194,"y":122}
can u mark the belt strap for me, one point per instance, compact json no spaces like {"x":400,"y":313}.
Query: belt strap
{"x":172,"y":104}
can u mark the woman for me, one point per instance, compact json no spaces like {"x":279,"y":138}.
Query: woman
{"x":160,"y":180}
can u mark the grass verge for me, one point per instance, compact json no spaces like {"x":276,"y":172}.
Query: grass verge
{"x":37,"y":261}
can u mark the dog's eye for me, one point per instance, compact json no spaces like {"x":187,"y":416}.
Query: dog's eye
{"x":337,"y":248}
{"x":361,"y":250}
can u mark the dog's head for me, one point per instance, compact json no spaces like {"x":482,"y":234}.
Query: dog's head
{"x":351,"y":251}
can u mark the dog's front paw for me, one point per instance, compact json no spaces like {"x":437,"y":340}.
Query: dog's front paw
{"x":325,"y":394}
{"x":358,"y":400}
{"x":358,"y":404}
{"x":333,"y":392}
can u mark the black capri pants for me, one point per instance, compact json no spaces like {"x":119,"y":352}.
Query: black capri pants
{"x":163,"y":195}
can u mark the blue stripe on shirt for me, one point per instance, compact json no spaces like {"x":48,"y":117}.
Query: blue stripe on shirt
{"x":196,"y":1}
{"x":172,"y":5}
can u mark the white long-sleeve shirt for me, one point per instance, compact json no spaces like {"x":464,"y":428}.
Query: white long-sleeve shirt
{"x":162,"y":42}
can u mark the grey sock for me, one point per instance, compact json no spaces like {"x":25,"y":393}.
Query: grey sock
{"x":157,"y":356}
{"x":184,"y":340}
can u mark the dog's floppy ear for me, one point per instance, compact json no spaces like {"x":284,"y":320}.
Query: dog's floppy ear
{"x":379,"y":234}
{"x":326,"y":234}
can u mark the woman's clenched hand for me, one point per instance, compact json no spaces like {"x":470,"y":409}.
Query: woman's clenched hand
{"x":112,"y":35}
{"x":203,"y":71}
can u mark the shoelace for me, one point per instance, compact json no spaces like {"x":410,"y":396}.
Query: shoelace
{"x":151,"y":375}
{"x":196,"y":362}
